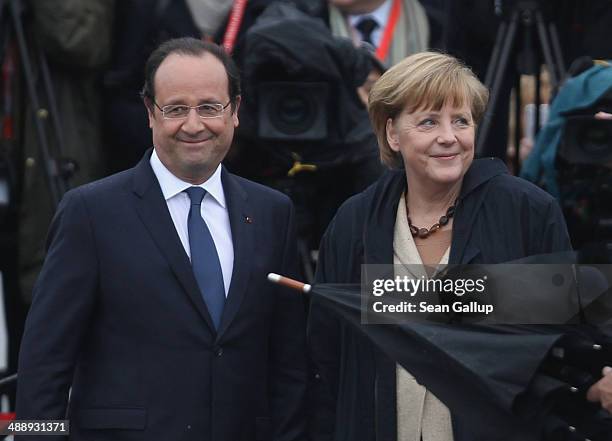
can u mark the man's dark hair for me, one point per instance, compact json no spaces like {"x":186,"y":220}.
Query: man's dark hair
{"x":194,"y":47}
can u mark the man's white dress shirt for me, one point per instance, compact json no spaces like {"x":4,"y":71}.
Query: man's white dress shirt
{"x":213,"y":210}
{"x":380,"y":15}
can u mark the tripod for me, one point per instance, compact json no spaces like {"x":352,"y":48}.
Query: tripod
{"x":527,"y":16}
{"x":46,"y":118}
{"x":23,"y":66}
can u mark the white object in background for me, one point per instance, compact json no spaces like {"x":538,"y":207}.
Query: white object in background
{"x":4,"y":192}
{"x":4,"y":400}
{"x":530,"y":129}
{"x":5,"y":407}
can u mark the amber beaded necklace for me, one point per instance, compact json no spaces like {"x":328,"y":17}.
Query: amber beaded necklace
{"x":424,"y":233}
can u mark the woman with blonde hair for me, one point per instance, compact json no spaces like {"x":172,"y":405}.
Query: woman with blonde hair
{"x":436,"y":205}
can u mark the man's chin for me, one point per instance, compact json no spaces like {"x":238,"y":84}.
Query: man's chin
{"x":198,"y":173}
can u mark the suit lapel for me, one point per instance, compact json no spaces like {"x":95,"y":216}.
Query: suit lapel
{"x":153,"y":212}
{"x":241,"y":219}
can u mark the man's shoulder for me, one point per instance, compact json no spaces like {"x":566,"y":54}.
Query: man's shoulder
{"x":258,"y":192}
{"x":109,"y":185}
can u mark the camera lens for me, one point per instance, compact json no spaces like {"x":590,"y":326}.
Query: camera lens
{"x":292,"y":113}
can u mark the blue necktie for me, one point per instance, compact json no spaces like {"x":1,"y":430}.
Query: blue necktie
{"x":204,"y":257}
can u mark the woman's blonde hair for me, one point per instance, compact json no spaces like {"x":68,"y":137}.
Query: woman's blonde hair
{"x":426,"y":80}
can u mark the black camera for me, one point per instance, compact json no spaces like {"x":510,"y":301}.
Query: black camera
{"x":303,"y":128}
{"x":587,"y":140}
{"x":584,"y":166}
{"x":293,"y":111}
{"x":300,"y":91}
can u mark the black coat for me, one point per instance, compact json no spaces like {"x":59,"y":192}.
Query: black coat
{"x":498,"y":218}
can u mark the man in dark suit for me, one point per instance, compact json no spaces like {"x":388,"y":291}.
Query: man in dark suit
{"x":393,"y":28}
{"x":153,"y":303}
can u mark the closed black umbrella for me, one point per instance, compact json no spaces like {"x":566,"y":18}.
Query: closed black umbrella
{"x":529,"y":382}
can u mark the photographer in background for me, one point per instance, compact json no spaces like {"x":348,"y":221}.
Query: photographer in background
{"x":304,"y":128}
{"x":141,"y":25}
{"x":75,"y":35}
{"x":573,"y":154}
{"x":393,"y":28}
{"x":470,"y":28}
{"x":74,"y":38}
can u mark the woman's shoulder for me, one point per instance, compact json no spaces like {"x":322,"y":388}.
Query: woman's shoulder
{"x":349,"y":219}
{"x":492,"y":175}
{"x":520,"y":210}
{"x":359,"y":205}
{"x":513,"y":188}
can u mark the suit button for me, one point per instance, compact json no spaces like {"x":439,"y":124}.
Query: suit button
{"x":219,"y":352}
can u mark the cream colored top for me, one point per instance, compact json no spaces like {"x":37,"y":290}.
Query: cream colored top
{"x":419,"y":412}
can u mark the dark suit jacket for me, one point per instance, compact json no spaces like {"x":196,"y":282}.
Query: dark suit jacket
{"x":118,"y":316}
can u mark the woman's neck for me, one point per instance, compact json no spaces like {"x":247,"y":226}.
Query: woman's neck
{"x":427,"y":203}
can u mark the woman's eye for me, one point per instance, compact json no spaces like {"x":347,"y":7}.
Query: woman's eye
{"x":427,"y":122}
{"x":462,"y":121}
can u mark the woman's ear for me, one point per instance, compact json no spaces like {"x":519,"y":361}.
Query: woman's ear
{"x":392,"y":135}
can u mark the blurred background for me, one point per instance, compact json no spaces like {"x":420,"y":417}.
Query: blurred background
{"x":70,"y":111}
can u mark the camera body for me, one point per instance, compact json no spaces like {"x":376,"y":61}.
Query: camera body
{"x":303,"y":128}
{"x":587,"y":140}
{"x":293,"y":111}
{"x":584,"y":166}
{"x":300,"y":100}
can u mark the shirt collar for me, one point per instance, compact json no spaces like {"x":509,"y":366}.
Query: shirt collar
{"x":380,"y":14}
{"x":171,"y":185}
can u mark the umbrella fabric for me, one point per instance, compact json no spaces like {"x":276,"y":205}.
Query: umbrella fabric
{"x":492,"y":374}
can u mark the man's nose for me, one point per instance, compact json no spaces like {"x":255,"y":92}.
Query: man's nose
{"x":193,"y":123}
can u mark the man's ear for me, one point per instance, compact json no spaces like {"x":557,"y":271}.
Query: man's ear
{"x":150,"y":110}
{"x":392,"y":135}
{"x":235,"y":108}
